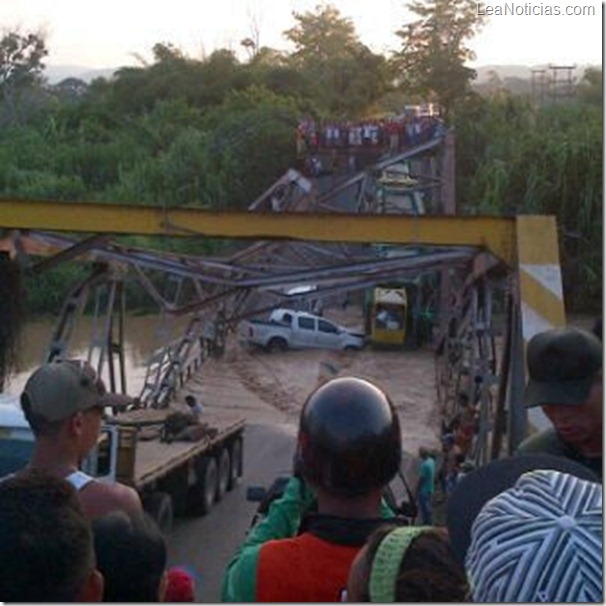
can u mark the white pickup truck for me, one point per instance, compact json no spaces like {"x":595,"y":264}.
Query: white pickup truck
{"x":290,"y":329}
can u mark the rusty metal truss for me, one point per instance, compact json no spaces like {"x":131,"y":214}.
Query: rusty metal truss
{"x":340,"y":239}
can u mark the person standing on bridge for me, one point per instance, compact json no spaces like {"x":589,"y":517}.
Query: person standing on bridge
{"x":565,"y":379}
{"x":425,"y":486}
{"x":348,"y":449}
{"x":64,"y":403}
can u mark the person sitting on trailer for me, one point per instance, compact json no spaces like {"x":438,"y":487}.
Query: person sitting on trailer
{"x":565,"y":379}
{"x":64,"y":403}
{"x":46,"y":543}
{"x":348,"y":449}
{"x":195,"y":407}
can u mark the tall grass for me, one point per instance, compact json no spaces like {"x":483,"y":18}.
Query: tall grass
{"x":515,"y":159}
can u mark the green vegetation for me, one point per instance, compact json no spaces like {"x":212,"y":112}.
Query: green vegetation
{"x":434,"y":50}
{"x":215,"y":132}
{"x":516,"y":159}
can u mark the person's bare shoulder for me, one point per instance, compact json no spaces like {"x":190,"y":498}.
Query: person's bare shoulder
{"x":99,"y":498}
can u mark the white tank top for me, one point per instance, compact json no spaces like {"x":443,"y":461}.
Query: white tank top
{"x":79,"y":479}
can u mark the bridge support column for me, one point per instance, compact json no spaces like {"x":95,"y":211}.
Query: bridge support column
{"x":539,"y":281}
{"x":447,"y":191}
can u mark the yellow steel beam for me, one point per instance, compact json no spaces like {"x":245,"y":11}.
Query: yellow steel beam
{"x":493,"y":233}
{"x":540,"y":277}
{"x":540,"y":284}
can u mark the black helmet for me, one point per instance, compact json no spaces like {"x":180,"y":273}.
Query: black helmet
{"x":349,"y":437}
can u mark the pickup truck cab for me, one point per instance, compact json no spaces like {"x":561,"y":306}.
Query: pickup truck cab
{"x":290,"y":329}
{"x":16,"y":437}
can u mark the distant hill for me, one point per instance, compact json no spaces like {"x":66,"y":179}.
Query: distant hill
{"x":520,"y":71}
{"x":56,"y":73}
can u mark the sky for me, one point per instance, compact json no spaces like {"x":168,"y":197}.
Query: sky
{"x":115,"y":33}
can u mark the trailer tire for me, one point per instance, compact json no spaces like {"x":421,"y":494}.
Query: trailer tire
{"x":224,"y":471}
{"x":159,"y":506}
{"x":235,"y":468}
{"x":175,"y":484}
{"x":203,"y":493}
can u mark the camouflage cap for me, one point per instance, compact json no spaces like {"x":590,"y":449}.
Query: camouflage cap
{"x":59,"y":389}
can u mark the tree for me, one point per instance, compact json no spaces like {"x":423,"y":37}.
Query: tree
{"x":21,"y":70}
{"x":591,"y":86}
{"x":249,"y":144}
{"x":344,"y":75}
{"x":321,"y":36}
{"x":434,"y":50}
{"x":70,"y":89}
{"x":21,"y":59}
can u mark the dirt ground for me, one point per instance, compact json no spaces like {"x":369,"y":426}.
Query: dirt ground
{"x":271,"y":388}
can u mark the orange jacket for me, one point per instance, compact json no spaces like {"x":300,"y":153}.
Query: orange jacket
{"x":303,"y":569}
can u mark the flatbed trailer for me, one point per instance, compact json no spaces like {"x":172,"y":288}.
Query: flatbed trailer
{"x":179,"y":476}
{"x":172,"y":477}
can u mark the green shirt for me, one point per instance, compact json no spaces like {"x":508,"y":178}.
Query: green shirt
{"x":549,"y":442}
{"x":427,"y":473}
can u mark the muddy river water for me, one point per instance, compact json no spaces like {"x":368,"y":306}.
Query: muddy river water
{"x":264,"y":388}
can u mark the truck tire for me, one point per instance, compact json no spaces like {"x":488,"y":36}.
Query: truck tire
{"x":203,"y":493}
{"x":159,"y":506}
{"x":224,"y":471}
{"x":235,"y":468}
{"x":276,"y":345}
{"x":175,"y":484}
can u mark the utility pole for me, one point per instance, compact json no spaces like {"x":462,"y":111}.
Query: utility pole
{"x":538,"y":83}
{"x":562,"y":83}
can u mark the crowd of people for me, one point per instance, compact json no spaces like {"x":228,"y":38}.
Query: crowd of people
{"x":347,"y":146}
{"x":395,"y":133}
{"x":527,"y":528}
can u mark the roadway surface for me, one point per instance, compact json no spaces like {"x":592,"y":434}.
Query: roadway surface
{"x":268,"y":391}
{"x":205,"y":544}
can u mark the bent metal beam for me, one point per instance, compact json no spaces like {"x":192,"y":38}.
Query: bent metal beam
{"x":496,"y":234}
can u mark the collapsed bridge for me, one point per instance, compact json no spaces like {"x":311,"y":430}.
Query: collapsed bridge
{"x":360,"y":233}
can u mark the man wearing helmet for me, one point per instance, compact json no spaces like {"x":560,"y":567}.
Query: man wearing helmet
{"x":348,"y":450}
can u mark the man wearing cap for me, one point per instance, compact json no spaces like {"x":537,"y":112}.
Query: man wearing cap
{"x":64,"y":403}
{"x":565,"y":379}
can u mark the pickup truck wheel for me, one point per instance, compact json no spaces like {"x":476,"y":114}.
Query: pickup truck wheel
{"x":203,"y":493}
{"x":235,"y":468}
{"x":159,"y":506}
{"x":224,"y":473}
{"x":277,"y":345}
